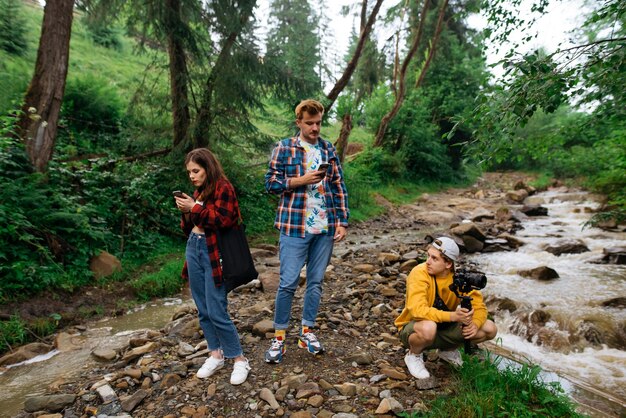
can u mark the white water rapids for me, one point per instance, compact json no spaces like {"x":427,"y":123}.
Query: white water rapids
{"x":574,"y":300}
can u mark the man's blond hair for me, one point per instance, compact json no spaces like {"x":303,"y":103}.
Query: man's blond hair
{"x":310,"y":106}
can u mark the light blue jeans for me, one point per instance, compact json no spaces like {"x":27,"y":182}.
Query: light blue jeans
{"x":219,"y":330}
{"x":315,"y":251}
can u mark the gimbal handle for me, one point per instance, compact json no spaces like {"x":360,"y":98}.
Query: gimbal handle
{"x":466,"y":302}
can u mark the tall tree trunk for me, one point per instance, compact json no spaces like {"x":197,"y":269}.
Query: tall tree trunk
{"x":47,"y":87}
{"x":354,"y":61}
{"x":178,"y":73}
{"x":384,"y":123}
{"x":205,"y":116}
{"x":344,"y":134}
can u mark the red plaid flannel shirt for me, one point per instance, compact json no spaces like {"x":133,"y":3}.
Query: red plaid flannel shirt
{"x":220,"y":211}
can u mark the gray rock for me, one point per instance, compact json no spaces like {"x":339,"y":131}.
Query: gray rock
{"x":567,"y":247}
{"x":24,"y":353}
{"x":135,"y":399}
{"x":360,"y":358}
{"x":618,"y":302}
{"x":542,"y":273}
{"x":107,"y":394}
{"x":534,"y":210}
{"x":51,"y":403}
{"x":469,"y":228}
{"x":268,"y":397}
{"x":263,"y":327}
{"x":104,"y":354}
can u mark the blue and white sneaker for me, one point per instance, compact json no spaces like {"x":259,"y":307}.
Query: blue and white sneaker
{"x":275,"y":353}
{"x":309,"y":341}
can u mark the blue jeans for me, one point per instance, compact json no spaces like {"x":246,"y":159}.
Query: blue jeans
{"x":315,"y":251}
{"x":219,"y":330}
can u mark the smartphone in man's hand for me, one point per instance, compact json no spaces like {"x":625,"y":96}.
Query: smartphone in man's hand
{"x":323,"y":167}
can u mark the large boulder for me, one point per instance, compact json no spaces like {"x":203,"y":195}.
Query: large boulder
{"x":534,"y":210}
{"x":517,"y":196}
{"x":567,"y":247}
{"x":615,"y":255}
{"x":24,"y":353}
{"x":270,"y":280}
{"x":542,"y":273}
{"x":50,"y":403}
{"x":104,"y":264}
{"x":469,"y":228}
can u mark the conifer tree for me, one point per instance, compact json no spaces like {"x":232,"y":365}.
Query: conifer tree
{"x":293,"y":46}
{"x":12,"y":27}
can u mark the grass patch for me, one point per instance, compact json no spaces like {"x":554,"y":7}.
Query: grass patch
{"x":12,"y":333}
{"x":165,"y":281}
{"x":483,"y":389}
{"x":542,"y":181}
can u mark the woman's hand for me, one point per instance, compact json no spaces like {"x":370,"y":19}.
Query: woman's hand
{"x":185,"y":203}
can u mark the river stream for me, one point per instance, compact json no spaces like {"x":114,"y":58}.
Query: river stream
{"x":573,"y":301}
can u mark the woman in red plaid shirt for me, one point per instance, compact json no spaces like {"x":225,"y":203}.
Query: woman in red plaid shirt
{"x":213,"y":205}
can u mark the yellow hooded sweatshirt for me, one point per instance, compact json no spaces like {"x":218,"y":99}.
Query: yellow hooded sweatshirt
{"x":420,"y":297}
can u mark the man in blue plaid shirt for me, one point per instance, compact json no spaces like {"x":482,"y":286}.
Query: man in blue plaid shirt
{"x":312,"y":215}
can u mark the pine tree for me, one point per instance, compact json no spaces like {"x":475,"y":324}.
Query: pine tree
{"x":293,"y":46}
{"x":12,"y":27}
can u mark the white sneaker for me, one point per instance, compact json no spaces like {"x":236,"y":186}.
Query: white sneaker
{"x":451,"y":356}
{"x":240,"y":372}
{"x":415,"y":364}
{"x":210,"y":366}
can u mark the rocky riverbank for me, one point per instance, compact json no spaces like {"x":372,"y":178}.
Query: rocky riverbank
{"x":362,"y":372}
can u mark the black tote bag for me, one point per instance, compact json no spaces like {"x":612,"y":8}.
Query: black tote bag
{"x":237,"y":264}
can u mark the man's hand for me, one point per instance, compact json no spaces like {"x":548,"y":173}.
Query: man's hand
{"x":469,"y":331}
{"x":340,"y":233}
{"x":311,"y":177}
{"x":462,"y":316}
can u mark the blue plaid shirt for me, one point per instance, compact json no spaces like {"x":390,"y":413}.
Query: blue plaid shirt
{"x":288,"y":161}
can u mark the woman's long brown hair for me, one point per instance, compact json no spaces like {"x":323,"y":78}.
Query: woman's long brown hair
{"x":214,"y":171}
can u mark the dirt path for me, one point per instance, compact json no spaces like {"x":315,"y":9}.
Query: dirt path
{"x":363,"y":363}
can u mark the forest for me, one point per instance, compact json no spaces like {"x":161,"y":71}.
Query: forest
{"x":101,"y":100}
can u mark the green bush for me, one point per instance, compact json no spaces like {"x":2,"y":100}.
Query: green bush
{"x":107,"y":36}
{"x":164,"y":282}
{"x":51,"y":225}
{"x":12,"y":27}
{"x":92,"y":103}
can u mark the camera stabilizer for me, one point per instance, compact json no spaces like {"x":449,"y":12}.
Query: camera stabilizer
{"x":464,"y":281}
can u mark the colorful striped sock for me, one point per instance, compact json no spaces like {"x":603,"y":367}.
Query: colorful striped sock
{"x":280,"y":334}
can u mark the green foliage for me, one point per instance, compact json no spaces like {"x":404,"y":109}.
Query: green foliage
{"x":162,"y":283}
{"x":485,"y":388}
{"x":105,"y":35}
{"x":12,"y":27}
{"x":12,"y":332}
{"x":293,"y":47}
{"x":92,"y":103}
{"x":54,"y":224}
{"x":587,"y":144}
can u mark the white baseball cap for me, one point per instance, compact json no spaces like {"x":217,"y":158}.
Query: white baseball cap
{"x":447,"y":247}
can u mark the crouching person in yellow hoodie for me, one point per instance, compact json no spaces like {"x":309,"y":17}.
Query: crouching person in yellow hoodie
{"x":432,"y":318}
